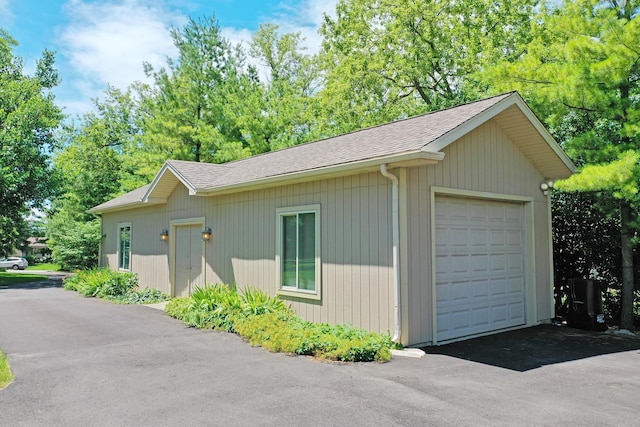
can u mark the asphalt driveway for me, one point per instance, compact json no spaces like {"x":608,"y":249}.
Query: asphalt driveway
{"x":81,"y":362}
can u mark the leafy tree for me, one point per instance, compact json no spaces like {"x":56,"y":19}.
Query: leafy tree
{"x":28,"y":118}
{"x":74,"y":244}
{"x":286,"y":113}
{"x":184,"y":110}
{"x":582,"y":61}
{"x":387,"y":59}
{"x":586,"y":241}
{"x":96,"y":163}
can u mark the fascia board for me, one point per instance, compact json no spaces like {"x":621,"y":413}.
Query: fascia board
{"x":545,"y":134}
{"x":491,"y":112}
{"x":125,"y":206}
{"x":167,"y":167}
{"x":326,"y":172}
{"x":476,"y":121}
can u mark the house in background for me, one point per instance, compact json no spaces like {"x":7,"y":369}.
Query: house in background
{"x":35,"y":247}
{"x":434,"y":228}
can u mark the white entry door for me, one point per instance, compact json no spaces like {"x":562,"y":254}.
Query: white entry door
{"x":188,"y":259}
{"x":480,"y":249}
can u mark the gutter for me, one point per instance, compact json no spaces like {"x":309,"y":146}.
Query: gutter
{"x":422,"y":157}
{"x":395,"y":231}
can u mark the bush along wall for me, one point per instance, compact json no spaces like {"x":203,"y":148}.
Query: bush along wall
{"x":266,"y":321}
{"x":120,"y":287}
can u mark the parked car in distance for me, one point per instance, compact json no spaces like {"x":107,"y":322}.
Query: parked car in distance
{"x":14,"y":263}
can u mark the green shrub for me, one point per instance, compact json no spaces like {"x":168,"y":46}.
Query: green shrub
{"x":114,"y":286}
{"x":88,"y":282}
{"x":277,"y":332}
{"x":178,"y":307}
{"x":117,"y":284}
{"x":144,"y":296}
{"x":73,"y":242}
{"x":267,"y":321}
{"x":611,"y":304}
{"x":290,"y":334}
{"x":6,"y":377}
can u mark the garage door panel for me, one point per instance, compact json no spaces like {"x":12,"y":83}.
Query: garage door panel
{"x":459,"y":263}
{"x":479,"y":263}
{"x":480,"y":289}
{"x":458,"y":237}
{"x":516,"y":287}
{"x":499,"y":314}
{"x":479,"y":266}
{"x":516,"y":310}
{"x":481,"y":317}
{"x":477,"y":237}
{"x":513,"y":213}
{"x":460,"y":292}
{"x":514,"y":239}
{"x":497,"y":239}
{"x":498,"y":287}
{"x":498,"y":263}
{"x":515,"y":263}
{"x":477,"y":212}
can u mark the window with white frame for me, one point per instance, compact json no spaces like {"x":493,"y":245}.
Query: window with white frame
{"x":298,"y":254}
{"x":124,"y":246}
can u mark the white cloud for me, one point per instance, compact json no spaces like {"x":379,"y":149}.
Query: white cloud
{"x":107,"y":42}
{"x":306,"y":18}
{"x":237,"y":36}
{"x":6,"y":15}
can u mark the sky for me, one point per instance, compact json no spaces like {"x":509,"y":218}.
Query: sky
{"x":100,"y":43}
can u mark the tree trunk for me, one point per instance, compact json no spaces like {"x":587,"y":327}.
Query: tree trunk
{"x":626,"y":309}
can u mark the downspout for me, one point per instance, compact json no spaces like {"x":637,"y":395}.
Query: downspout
{"x":101,"y":242}
{"x":395,"y":231}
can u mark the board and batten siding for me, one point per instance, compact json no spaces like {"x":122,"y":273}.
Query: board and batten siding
{"x":355,"y":245}
{"x":486,"y":161}
{"x":149,"y":254}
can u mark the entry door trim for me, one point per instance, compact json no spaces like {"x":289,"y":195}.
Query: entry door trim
{"x":201,"y":221}
{"x":529,"y":247}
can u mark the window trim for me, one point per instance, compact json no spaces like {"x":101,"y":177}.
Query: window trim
{"x":122,"y":225}
{"x":316,"y":294}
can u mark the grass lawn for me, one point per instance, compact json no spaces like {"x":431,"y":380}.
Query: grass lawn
{"x":46,"y":266}
{"x":5,"y":373}
{"x":8,"y":279}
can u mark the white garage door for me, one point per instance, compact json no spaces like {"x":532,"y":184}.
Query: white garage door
{"x":479,"y":266}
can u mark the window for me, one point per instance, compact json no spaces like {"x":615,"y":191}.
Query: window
{"x":124,"y":246}
{"x":298,"y":254}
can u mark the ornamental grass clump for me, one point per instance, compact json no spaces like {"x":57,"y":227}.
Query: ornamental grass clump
{"x":213,"y":307}
{"x":87,"y":282}
{"x":267,"y":321}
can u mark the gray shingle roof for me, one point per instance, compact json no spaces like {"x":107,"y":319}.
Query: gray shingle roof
{"x":131,"y":198}
{"x":424,"y":134}
{"x":398,"y":137}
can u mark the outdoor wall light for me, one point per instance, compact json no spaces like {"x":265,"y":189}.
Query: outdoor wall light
{"x":206,"y":234}
{"x":164,"y":235}
{"x":546,"y":186}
